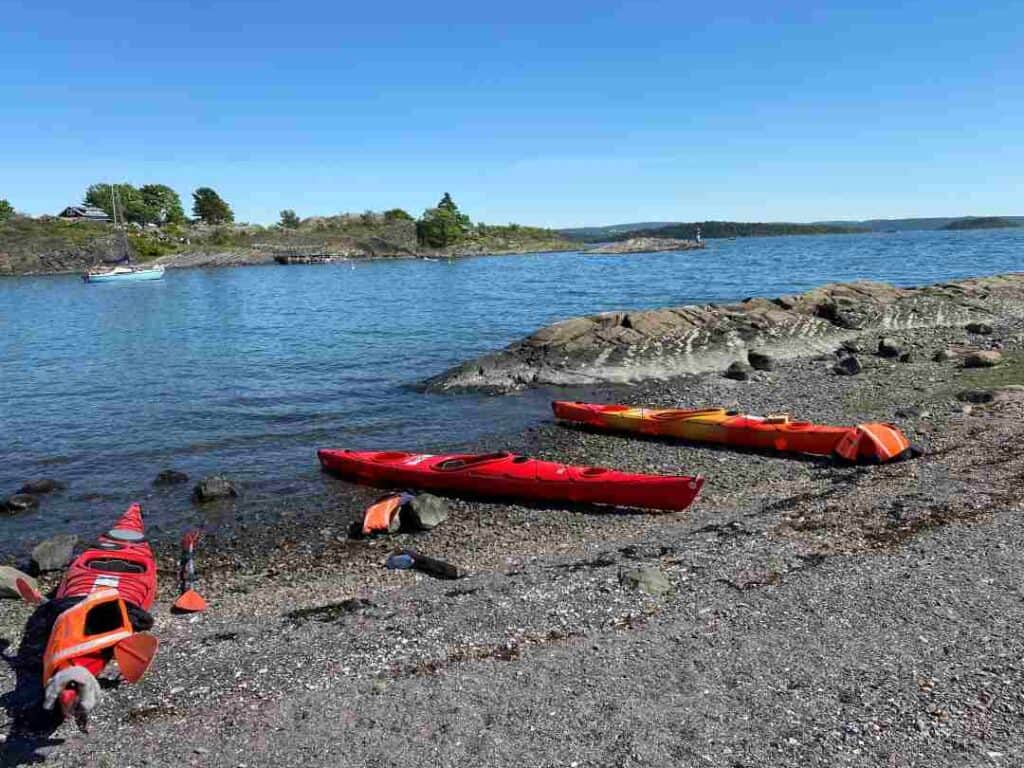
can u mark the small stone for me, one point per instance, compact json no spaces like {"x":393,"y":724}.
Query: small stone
{"x":212,"y":488}
{"x":850,"y":346}
{"x":41,"y":486}
{"x":54,"y":553}
{"x":888,"y":347}
{"x":982,"y":329}
{"x":761,"y":361}
{"x":170,"y":477}
{"x":8,"y":576}
{"x":425,"y":512}
{"x":848,"y":366}
{"x":650,"y":581}
{"x":976,"y":396}
{"x":910,"y":412}
{"x":986,"y":358}
{"x":738,"y":371}
{"x":942,"y":355}
{"x":19,"y":502}
{"x":907,"y":357}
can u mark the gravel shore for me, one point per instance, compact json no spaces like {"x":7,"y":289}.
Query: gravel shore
{"x":817,"y":615}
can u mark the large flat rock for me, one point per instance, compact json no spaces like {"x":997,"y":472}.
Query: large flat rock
{"x":661,"y":343}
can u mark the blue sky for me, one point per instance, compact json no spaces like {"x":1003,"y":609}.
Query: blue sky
{"x":555,"y":113}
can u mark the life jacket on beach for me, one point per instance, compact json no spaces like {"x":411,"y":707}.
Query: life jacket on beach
{"x":383,"y":515}
{"x":86,"y":633}
{"x":874,"y":443}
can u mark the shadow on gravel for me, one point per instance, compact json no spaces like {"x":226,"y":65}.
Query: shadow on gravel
{"x":31,"y":726}
{"x":328,"y":613}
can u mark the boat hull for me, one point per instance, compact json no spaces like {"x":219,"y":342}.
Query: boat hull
{"x":722,"y":427}
{"x":508,"y":476}
{"x":136,"y":276}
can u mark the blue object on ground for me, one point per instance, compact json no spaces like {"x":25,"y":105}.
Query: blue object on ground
{"x":400,"y":562}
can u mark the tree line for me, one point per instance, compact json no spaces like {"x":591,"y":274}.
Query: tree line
{"x":157,"y":204}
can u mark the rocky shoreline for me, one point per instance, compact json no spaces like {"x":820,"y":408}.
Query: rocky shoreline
{"x":799,"y":614}
{"x":661,"y":343}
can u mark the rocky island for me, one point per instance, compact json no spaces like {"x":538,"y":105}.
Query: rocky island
{"x":647,"y":245}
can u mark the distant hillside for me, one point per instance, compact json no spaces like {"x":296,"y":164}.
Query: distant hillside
{"x":982,"y":222}
{"x":600,"y":234}
{"x":709,"y":229}
{"x":904,"y":225}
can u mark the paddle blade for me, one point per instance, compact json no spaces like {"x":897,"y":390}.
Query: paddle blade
{"x":28,"y":593}
{"x":189,"y":601}
{"x":135,"y":654}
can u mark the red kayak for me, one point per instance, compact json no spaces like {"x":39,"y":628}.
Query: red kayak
{"x":508,"y":476}
{"x":111,"y":580}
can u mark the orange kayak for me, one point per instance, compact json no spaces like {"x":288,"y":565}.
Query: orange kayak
{"x":864,"y":443}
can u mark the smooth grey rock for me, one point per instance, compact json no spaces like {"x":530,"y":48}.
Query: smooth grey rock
{"x":982,"y":329}
{"x":54,"y":553}
{"x":41,"y":486}
{"x":170,"y":477}
{"x":848,"y":366}
{"x":761,"y":361}
{"x":986,"y":358}
{"x":425,"y":512}
{"x":907,"y":357}
{"x":650,"y":581}
{"x":212,"y":488}
{"x":738,"y":371}
{"x":19,"y":502}
{"x":888,"y":347}
{"x":8,"y":576}
{"x":942,"y":355}
{"x":850,"y":346}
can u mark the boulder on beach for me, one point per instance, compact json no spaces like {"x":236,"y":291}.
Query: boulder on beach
{"x":41,"y":486}
{"x":850,"y":346}
{"x":8,"y":576}
{"x":985,"y":358}
{"x":888,"y":347}
{"x":982,"y":329}
{"x":19,"y":502}
{"x":761,"y":361}
{"x":170,"y":477}
{"x":650,"y":581}
{"x":425,"y":512}
{"x":54,"y":553}
{"x":942,"y":355}
{"x":212,"y":488}
{"x":907,"y":357}
{"x":738,"y":371}
{"x":848,"y":366}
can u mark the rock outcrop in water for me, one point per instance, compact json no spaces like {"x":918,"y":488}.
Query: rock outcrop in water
{"x":660,"y":343}
{"x":647,"y":245}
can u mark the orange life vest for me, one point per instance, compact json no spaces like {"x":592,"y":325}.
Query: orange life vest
{"x":86,"y":629}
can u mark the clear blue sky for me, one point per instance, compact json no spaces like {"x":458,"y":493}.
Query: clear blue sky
{"x":560,"y":113}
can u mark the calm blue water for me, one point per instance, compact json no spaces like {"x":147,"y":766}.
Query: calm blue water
{"x":247,"y":371}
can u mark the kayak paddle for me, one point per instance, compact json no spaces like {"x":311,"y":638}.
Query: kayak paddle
{"x":189,"y":601}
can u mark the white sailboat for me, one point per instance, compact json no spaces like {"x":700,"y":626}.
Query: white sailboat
{"x":122,"y":271}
